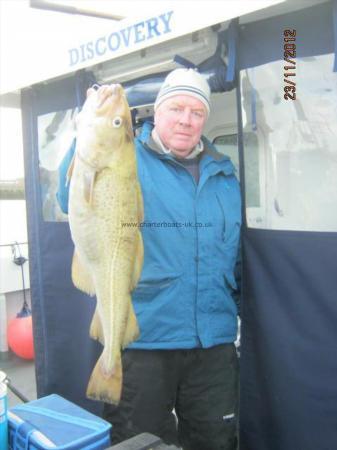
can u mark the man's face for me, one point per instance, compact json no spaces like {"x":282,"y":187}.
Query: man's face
{"x":179,"y":122}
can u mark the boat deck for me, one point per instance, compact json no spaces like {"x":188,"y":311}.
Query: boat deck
{"x":21,"y":374}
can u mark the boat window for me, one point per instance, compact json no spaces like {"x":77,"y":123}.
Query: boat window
{"x":296,"y":137}
{"x":56,"y":131}
{"x":228,"y":145}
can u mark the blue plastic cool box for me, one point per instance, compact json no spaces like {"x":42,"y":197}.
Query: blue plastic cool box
{"x":55,"y":423}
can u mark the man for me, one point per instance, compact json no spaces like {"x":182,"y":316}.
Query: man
{"x":180,"y":378}
{"x":185,"y":360}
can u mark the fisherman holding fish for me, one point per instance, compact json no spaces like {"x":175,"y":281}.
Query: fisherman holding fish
{"x":179,"y":376}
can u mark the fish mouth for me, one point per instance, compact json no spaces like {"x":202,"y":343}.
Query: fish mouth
{"x":116,"y":89}
{"x":110,"y":94}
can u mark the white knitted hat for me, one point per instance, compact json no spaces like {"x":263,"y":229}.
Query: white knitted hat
{"x":184,"y":82}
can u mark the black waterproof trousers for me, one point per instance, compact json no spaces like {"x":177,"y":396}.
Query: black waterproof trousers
{"x":185,"y":397}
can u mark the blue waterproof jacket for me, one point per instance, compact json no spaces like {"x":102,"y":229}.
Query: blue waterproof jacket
{"x":191,"y":236}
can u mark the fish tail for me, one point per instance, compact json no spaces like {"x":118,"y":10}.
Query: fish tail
{"x":106,"y":388}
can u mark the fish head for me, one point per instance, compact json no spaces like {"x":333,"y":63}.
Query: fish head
{"x":104,"y":126}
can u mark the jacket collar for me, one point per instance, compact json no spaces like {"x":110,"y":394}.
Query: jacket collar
{"x":211,"y":160}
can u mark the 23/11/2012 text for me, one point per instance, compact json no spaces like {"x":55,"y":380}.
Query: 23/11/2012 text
{"x":289,"y":46}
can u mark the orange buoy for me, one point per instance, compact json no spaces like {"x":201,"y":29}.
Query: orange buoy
{"x":20,"y":336}
{"x":20,"y":329}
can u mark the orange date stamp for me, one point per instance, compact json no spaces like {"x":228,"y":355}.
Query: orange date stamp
{"x":289,"y":47}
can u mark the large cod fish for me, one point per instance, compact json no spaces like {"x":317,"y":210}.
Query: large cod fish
{"x":105,"y":194}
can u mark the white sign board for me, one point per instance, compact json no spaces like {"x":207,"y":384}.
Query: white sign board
{"x":45,"y":52}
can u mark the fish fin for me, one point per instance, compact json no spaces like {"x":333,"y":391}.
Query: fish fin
{"x":81,"y":277}
{"x":138,"y":261}
{"x":140,"y":204}
{"x":70,"y":169}
{"x":131,"y":331}
{"x":89,"y":182}
{"x":96,"y":330}
{"x":106,"y":388}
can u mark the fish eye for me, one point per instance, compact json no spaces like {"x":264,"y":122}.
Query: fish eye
{"x":117,"y":122}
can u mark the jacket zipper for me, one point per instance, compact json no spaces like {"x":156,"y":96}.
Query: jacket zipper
{"x":223,"y":214}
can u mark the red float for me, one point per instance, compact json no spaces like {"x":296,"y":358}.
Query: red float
{"x":20,"y":337}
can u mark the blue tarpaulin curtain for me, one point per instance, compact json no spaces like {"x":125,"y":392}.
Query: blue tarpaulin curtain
{"x":261,"y":42}
{"x":288,"y":393}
